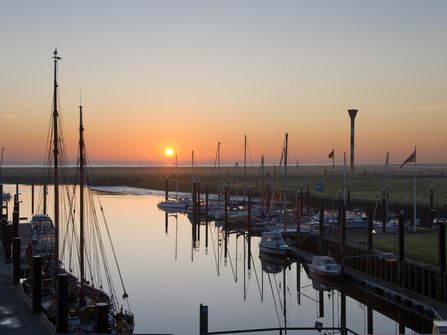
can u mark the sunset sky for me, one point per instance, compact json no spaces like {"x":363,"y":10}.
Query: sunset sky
{"x":188,"y":74}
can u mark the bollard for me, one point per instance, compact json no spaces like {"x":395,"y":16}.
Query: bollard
{"x":203,"y":320}
{"x":101,"y":318}
{"x":62,"y":303}
{"x":321,"y":226}
{"x":441,"y":247}
{"x":37,"y":283}
{"x":16,"y":260}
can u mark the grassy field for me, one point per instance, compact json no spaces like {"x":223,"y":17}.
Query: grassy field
{"x":422,"y":245}
{"x":365,"y":184}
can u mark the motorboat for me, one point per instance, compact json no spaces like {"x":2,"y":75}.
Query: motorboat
{"x":324,"y":268}
{"x":272,"y":242}
{"x":174,"y":205}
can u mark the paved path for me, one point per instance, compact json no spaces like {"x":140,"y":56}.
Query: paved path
{"x":16,"y":316}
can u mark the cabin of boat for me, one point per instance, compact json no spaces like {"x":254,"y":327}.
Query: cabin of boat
{"x":272,"y":242}
{"x":324,"y":268}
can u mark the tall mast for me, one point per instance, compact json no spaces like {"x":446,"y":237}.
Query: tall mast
{"x":286,"y":141}
{"x":245,"y":166}
{"x":218,"y":168}
{"x":56,"y":159}
{"x":81,"y":195}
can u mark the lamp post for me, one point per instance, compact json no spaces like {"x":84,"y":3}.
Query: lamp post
{"x":342,"y":289}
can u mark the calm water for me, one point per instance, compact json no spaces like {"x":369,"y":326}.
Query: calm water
{"x":167,"y":277}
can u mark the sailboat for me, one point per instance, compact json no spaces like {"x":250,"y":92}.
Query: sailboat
{"x":83,"y":293}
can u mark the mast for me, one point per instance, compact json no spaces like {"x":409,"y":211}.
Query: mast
{"x":286,"y":141}
{"x":245,"y":166}
{"x":81,"y":196}
{"x":56,"y":159}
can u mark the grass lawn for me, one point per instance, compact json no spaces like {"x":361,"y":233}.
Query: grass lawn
{"x":422,"y":245}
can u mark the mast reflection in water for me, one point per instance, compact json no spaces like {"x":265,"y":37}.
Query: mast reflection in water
{"x":171,"y":266}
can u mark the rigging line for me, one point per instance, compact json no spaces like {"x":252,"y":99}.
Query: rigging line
{"x":214,"y":251}
{"x":279,"y":293}
{"x":274,"y":300}
{"x":257,"y":279}
{"x":231,"y":264}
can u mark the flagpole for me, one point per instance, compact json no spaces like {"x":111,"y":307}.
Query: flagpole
{"x":414,"y":191}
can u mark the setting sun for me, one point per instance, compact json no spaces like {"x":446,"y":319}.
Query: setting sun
{"x":169,"y":152}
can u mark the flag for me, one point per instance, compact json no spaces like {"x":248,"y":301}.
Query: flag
{"x":410,"y":159}
{"x":331,"y":154}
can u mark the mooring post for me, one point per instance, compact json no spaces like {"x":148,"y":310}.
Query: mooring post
{"x":307,"y":199}
{"x":430,"y":215}
{"x":166,"y":223}
{"x":37,"y":283}
{"x":384,"y":213}
{"x":16,"y":260}
{"x":369,"y":241}
{"x":15,"y":224}
{"x":1,"y":201}
{"x":401,"y":239}
{"x":101,"y":318}
{"x":7,"y":245}
{"x":301,"y":197}
{"x":321,"y":226}
{"x":348,"y":200}
{"x":32,"y":196}
{"x":166,"y":188}
{"x":370,"y":320}
{"x":203,"y":319}
{"x":45,"y":199}
{"x":343,"y":224}
{"x":441,"y":248}
{"x":62,"y":303}
{"x":321,"y":303}
{"x":298,"y":281}
{"x":298,"y":221}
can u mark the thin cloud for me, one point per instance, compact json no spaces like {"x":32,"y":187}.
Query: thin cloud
{"x":8,"y":116}
{"x":428,"y":108}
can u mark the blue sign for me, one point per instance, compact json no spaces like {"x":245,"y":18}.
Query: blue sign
{"x":319,"y":187}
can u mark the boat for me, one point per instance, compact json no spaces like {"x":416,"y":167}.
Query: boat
{"x":174,"y":205}
{"x":88,"y":252}
{"x":324,"y":269}
{"x":272,"y":242}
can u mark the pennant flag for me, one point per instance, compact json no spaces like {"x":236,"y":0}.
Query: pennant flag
{"x":332,"y":154}
{"x":410,"y":159}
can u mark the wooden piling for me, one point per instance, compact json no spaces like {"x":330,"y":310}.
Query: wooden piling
{"x":101,"y":318}
{"x":321,"y":304}
{"x":249,"y":210}
{"x":32,"y":197}
{"x":37,"y":284}
{"x":430,"y":212}
{"x":62,"y":303}
{"x":441,"y":246}
{"x":15,"y":224}
{"x":298,"y":221}
{"x":370,"y":319}
{"x":342,"y":220}
{"x":321,"y":223}
{"x":16,"y":260}
{"x":203,"y":314}
{"x":369,"y":240}
{"x":401,"y":239}
{"x":45,"y":199}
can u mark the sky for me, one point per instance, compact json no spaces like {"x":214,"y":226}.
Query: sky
{"x":190,"y":74}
